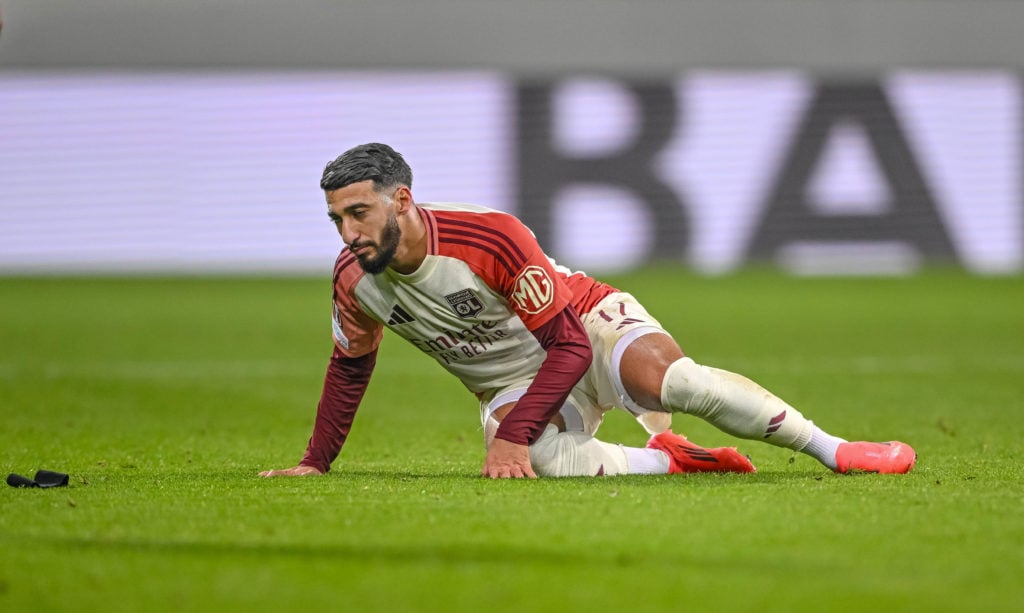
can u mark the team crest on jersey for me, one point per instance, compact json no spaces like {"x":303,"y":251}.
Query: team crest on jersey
{"x":533,"y":290}
{"x":465,"y":303}
{"x":339,"y":334}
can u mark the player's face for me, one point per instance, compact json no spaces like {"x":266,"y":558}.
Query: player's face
{"x":367,"y":222}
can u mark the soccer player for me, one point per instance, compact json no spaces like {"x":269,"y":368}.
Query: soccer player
{"x":546,"y":351}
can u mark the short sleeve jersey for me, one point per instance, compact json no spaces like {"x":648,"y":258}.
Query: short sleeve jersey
{"x":484,"y":286}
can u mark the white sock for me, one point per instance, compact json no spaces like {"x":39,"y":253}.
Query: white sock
{"x":822,"y":447}
{"x":646,"y":461}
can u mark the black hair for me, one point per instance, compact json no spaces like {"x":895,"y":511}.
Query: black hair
{"x":372,"y":161}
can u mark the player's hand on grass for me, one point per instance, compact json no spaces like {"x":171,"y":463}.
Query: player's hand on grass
{"x":507,"y":460}
{"x":295,"y":471}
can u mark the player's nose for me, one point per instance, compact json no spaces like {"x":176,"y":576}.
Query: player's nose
{"x":348,"y":234}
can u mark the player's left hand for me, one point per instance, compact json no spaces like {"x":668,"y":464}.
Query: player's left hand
{"x":507,"y":460}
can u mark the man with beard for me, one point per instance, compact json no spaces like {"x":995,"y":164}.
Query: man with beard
{"x":546,"y":351}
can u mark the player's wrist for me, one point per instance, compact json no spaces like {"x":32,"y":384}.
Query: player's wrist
{"x":516,"y":438}
{"x":317,"y":467}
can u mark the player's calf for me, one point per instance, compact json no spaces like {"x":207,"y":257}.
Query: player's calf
{"x":733,"y":404}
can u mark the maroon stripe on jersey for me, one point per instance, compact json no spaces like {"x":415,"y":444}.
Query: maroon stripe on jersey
{"x":487,"y":233}
{"x":345,"y":259}
{"x":493,"y":247}
{"x":431,"y":223}
{"x":483,"y":247}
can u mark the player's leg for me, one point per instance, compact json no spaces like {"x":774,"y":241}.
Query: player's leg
{"x":612,"y":326}
{"x":578,"y":454}
{"x":648,"y":372}
{"x":657,"y":375}
{"x":568,"y":447}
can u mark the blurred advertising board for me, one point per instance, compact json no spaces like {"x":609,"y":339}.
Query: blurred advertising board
{"x":216,"y":171}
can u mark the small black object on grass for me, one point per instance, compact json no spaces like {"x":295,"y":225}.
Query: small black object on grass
{"x":43,"y":478}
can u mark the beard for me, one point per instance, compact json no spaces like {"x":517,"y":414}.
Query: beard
{"x":385,"y":249}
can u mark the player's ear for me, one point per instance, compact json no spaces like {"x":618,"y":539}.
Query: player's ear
{"x":403,"y":199}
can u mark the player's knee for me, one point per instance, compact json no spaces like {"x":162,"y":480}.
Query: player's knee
{"x":688,"y":387}
{"x":551,"y":455}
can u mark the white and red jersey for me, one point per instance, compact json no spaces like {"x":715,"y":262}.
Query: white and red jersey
{"x":486,"y":303}
{"x":472,"y":305}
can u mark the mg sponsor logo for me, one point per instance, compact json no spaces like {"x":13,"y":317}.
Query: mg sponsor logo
{"x":534,"y":290}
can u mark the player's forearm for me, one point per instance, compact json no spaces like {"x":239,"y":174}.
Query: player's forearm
{"x":344,"y":385}
{"x":568,"y":357}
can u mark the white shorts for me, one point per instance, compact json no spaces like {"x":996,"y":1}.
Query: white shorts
{"x":612,"y":325}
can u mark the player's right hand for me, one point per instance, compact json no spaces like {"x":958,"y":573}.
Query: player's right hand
{"x":295,"y":471}
{"x":507,"y":460}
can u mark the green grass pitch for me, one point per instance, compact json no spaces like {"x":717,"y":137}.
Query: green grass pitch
{"x":163,"y":397}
